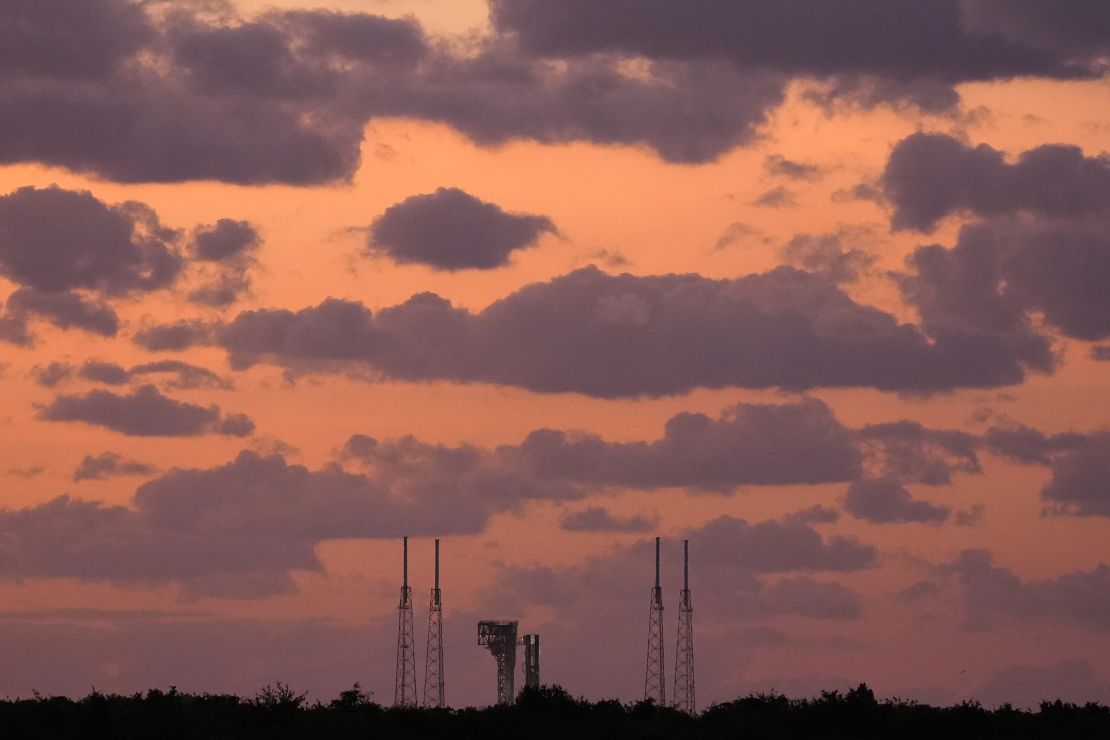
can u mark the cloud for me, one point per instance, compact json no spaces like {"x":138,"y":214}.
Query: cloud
{"x":736,"y":233}
{"x":452,"y":230}
{"x":55,"y":38}
{"x":109,"y":465}
{"x":1100,"y":353}
{"x":1004,"y":269}
{"x":1073,"y":26}
{"x":896,"y":45}
{"x":27,"y":473}
{"x":778,"y":197}
{"x":776,"y":164}
{"x":174,"y":337}
{"x":284,"y":96}
{"x":240,"y":529}
{"x":145,"y":412}
{"x":63,"y":309}
{"x":991,"y":594}
{"x":1027,"y":445}
{"x":227,"y":240}
{"x":598,"y":519}
{"x":827,"y":254}
{"x":1079,"y":484}
{"x":108,"y":373}
{"x":750,"y":444}
{"x":886,"y":501}
{"x":911,"y":452}
{"x":224,"y":253}
{"x":930,"y":176}
{"x":617,"y":336}
{"x":183,"y":375}
{"x":52,"y":374}
{"x":740,"y":573}
{"x":54,"y":240}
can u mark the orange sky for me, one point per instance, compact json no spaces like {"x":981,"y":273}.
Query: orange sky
{"x":661,"y":218}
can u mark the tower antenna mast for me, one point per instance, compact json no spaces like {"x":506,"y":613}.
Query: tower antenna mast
{"x":684,"y":654}
{"x":655,"y":682}
{"x":404,"y":682}
{"x":433,"y":666}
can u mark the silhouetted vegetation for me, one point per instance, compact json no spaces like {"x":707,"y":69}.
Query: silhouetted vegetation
{"x":279,"y":712}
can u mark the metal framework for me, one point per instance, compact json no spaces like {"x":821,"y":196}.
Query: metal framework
{"x":655,"y":682}
{"x":500,"y":637}
{"x":433,"y":665}
{"x":404,"y":682}
{"x":684,"y":652}
{"x":531,"y":645}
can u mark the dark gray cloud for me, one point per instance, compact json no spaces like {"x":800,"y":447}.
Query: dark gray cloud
{"x":827,"y":254}
{"x":750,"y":444}
{"x":242,"y":528}
{"x":930,"y":176}
{"x":776,"y":164}
{"x":52,"y":374}
{"x":909,"y":451}
{"x":1027,"y":445}
{"x":285,"y":96}
{"x":624,"y":336}
{"x":894,"y":43}
{"x":1002,"y":270}
{"x":1078,"y":26}
{"x":739,"y":572}
{"x":56,"y":38}
{"x":452,"y":230}
{"x":815,"y":514}
{"x":228,"y":247}
{"x":145,"y":412}
{"x":807,"y":597}
{"x":174,"y":337}
{"x":55,"y":240}
{"x":798,"y":443}
{"x":222,"y":290}
{"x":386,"y":42}
{"x":184,"y":376}
{"x":886,"y":501}
{"x":180,"y":375}
{"x":1080,"y":483}
{"x":778,"y":197}
{"x":599,"y":519}
{"x":1101,"y":353}
{"x":226,"y":240}
{"x":27,"y":473}
{"x":108,"y":373}
{"x":63,"y":309}
{"x":67,"y":251}
{"x":109,"y":465}
{"x":992,"y":594}
{"x":239,"y":529}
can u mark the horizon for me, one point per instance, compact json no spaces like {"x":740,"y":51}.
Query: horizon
{"x":820,"y":289}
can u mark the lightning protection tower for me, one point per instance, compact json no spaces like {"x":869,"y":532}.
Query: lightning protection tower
{"x":500,"y":637}
{"x":433,"y":666}
{"x":655,"y":682}
{"x":404,"y":686}
{"x":684,"y":654}
{"x":531,"y":645}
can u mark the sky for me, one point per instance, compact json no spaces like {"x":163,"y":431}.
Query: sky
{"x":819,"y":287}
